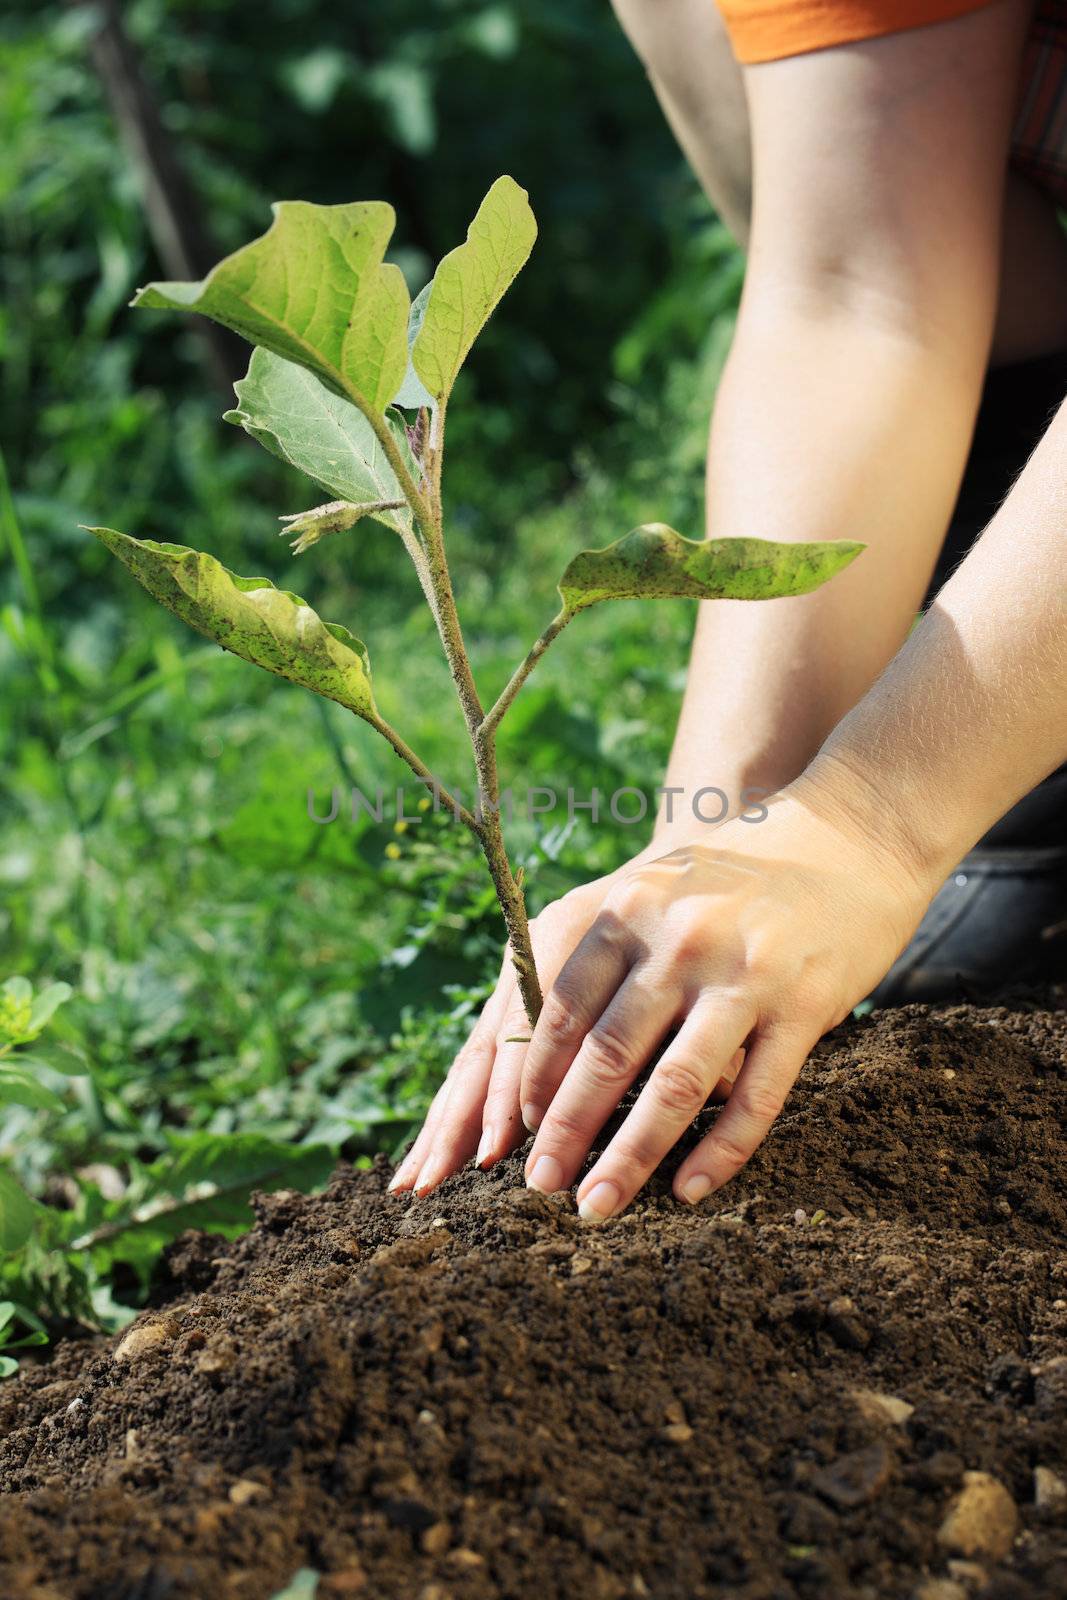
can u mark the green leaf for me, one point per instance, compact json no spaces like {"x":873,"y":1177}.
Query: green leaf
{"x":250,"y":617}
{"x":470,"y":282}
{"x":67,"y":1059}
{"x":48,"y":1001}
{"x":413,"y":393}
{"x":8,"y":1367}
{"x":295,"y":417}
{"x":20,"y":1089}
{"x":18,"y":989}
{"x":314,"y":290}
{"x":654,"y":561}
{"x":37,"y":1334}
{"x":204,"y":1181}
{"x":17,"y":1213}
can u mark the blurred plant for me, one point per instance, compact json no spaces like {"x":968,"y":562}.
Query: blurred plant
{"x":12,"y":1318}
{"x":23,"y":1016}
{"x":341,"y":353}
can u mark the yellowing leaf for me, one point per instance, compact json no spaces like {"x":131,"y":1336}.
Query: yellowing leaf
{"x":313,"y":290}
{"x":469,"y":283}
{"x":269,"y":627}
{"x":654,"y":561}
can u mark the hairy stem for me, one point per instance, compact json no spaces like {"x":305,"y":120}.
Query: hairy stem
{"x":485,"y":825}
{"x":523,"y":670}
{"x":422,"y":771}
{"x":508,"y":890}
{"x":513,"y":905}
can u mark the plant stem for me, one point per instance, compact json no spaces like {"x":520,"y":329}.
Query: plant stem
{"x":485,"y":825}
{"x":422,"y":771}
{"x":427,"y":515}
{"x":523,"y":670}
{"x":508,"y":891}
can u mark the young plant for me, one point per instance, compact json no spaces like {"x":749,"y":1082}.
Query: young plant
{"x":23,"y":1016}
{"x":351,"y":384}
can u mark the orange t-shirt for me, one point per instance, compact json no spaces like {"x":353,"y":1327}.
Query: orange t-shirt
{"x":768,"y":30}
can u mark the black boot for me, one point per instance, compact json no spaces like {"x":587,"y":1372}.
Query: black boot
{"x":1001,"y":918}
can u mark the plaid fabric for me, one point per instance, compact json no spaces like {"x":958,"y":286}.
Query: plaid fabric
{"x":1039,"y":139}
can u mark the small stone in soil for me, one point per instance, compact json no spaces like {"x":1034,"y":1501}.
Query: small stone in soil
{"x":436,"y":1539}
{"x":1050,"y":1490}
{"x":981,"y":1520}
{"x":856,"y":1478}
{"x":140,"y":1340}
{"x":245,"y":1491}
{"x":940,"y":1589}
{"x":877,"y":1407}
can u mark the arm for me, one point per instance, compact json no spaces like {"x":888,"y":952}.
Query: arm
{"x":849,"y":396}
{"x":846,"y":411}
{"x":767,"y":939}
{"x":973,"y":711}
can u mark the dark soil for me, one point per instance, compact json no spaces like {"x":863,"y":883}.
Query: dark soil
{"x":475,"y":1396}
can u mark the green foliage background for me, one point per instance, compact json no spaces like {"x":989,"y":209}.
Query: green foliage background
{"x":239,"y":970}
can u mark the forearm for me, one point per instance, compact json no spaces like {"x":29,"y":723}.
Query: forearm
{"x":826,"y":427}
{"x":973,"y":711}
{"x":848,"y":402}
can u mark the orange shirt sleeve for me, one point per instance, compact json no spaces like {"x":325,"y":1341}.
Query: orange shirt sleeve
{"x":768,"y":30}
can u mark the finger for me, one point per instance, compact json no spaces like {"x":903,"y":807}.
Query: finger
{"x":612,"y":1054}
{"x":580,"y":994}
{"x":411,"y":1166}
{"x":722,"y":1089}
{"x":678,"y":1088}
{"x":771,"y":1067}
{"x":502,"y":1126}
{"x":454,"y":1138}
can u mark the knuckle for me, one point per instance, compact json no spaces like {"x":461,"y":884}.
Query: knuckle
{"x":567,"y":1128}
{"x":516,"y":1025}
{"x":689,"y":942}
{"x":625,"y":900}
{"x":728,"y":1152}
{"x":558,"y":1021}
{"x":606,"y":1057}
{"x":763,"y":1102}
{"x":472,"y":1054}
{"x":680,"y":1086}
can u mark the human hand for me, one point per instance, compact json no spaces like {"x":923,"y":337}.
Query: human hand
{"x":759,"y":940}
{"x":477,"y":1106}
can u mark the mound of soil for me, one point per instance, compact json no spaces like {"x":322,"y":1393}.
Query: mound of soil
{"x":844,"y":1377}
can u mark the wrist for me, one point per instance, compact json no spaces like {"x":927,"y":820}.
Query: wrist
{"x":893,"y":816}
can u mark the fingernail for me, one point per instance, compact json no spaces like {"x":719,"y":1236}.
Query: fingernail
{"x":400,"y":1175}
{"x":533,"y":1117}
{"x":485,"y":1148}
{"x":428,"y":1178}
{"x":695,"y":1188}
{"x":600,"y":1203}
{"x":546,"y":1175}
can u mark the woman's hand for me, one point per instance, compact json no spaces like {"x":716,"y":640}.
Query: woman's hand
{"x":476,"y":1109}
{"x":758,"y":939}
{"x":746,"y":943}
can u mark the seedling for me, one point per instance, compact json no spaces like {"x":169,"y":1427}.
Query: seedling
{"x":351,"y":383}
